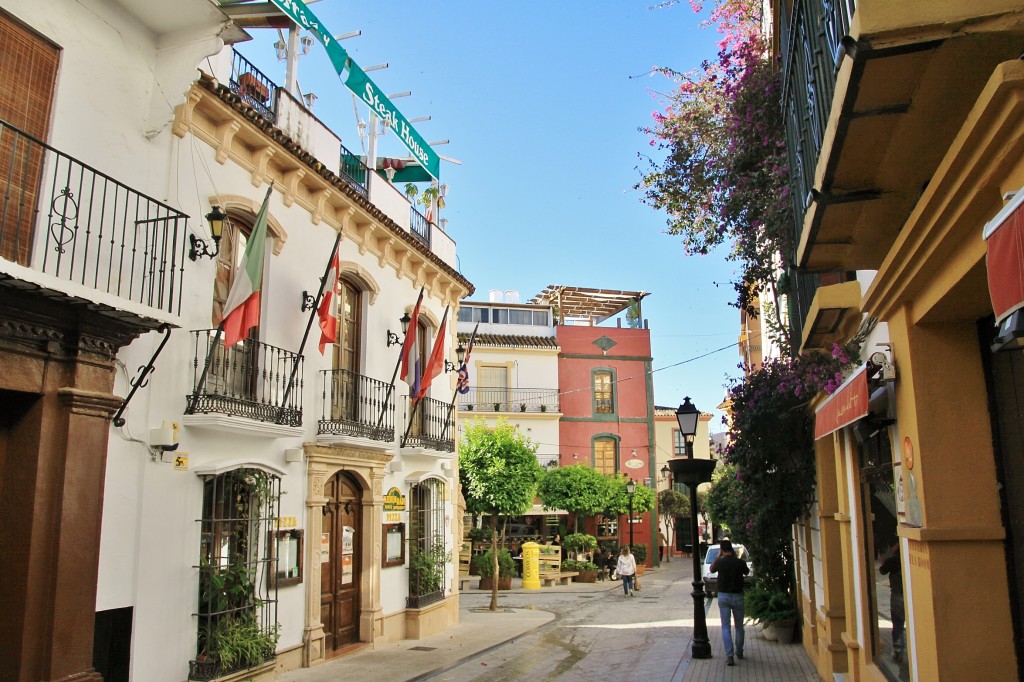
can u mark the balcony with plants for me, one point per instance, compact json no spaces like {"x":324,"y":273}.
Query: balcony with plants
{"x":521,"y":400}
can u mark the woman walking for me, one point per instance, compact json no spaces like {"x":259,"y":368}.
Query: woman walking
{"x":626,"y":568}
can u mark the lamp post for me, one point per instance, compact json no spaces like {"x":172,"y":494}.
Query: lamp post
{"x":692,"y":472}
{"x":631,"y":490}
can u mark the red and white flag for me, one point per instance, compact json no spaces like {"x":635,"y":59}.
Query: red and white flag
{"x":436,"y":361}
{"x":326,"y":311}
{"x":242,"y":308}
{"x":410,"y":341}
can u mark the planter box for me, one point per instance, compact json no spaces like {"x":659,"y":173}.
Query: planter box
{"x":488,"y":583}
{"x":640,"y":569}
{"x":205,"y":670}
{"x":250,"y":86}
{"x":585,"y":577}
{"x":781,"y":631}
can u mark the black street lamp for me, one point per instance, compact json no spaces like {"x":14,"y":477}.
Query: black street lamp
{"x":631,"y":490}
{"x":692,"y":472}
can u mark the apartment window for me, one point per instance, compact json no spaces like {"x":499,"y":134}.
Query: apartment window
{"x":605,"y":455}
{"x":603,"y":399}
{"x":345,"y":378}
{"x":236,"y":567}
{"x":492,"y":391}
{"x":678,"y":443}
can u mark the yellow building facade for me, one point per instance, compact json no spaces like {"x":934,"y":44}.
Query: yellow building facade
{"x":905,"y":124}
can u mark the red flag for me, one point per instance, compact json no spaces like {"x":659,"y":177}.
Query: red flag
{"x":328,"y":321}
{"x":436,"y":361}
{"x":410,"y":340}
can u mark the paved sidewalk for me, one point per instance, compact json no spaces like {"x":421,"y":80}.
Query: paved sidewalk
{"x":479,"y":632}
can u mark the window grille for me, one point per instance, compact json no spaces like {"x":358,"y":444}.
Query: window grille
{"x":237,"y":602}
{"x":428,"y":551}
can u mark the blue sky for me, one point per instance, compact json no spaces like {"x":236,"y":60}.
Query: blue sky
{"x":540,"y":107}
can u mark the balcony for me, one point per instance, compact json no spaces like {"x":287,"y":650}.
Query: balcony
{"x":89,"y":235}
{"x":483,"y":399}
{"x":432,"y":426}
{"x":356,"y":405}
{"x":871,"y":114}
{"x":252,"y":379}
{"x":253,"y":86}
{"x":420,"y":226}
{"x":354,"y":170}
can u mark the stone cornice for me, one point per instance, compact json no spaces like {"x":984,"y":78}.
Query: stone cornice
{"x":211,"y":111}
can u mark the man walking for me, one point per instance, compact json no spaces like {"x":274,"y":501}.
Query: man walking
{"x":730,"y":569}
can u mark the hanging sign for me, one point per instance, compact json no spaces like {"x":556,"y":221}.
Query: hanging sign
{"x":359,"y":83}
{"x":848,"y":404}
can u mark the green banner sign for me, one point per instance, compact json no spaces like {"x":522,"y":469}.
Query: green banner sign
{"x":359,"y":83}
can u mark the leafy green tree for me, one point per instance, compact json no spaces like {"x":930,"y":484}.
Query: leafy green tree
{"x":577,"y":489}
{"x":672,"y":504}
{"x":618,"y":501}
{"x":498,"y":472}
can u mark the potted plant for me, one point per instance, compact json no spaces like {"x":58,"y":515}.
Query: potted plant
{"x":426,"y":571}
{"x":497,"y":407}
{"x":522,"y":407}
{"x":543,"y":407}
{"x":506,"y":569}
{"x":774,"y":610}
{"x":577,"y":543}
{"x":586,"y":570}
{"x":640,"y":554}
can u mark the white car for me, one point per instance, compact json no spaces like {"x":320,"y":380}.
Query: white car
{"x":711,"y":579}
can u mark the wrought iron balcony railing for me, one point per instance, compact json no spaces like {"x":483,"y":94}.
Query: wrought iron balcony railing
{"x":68,"y":220}
{"x":354,"y":170}
{"x":811,"y":38}
{"x":432,"y":426}
{"x":250,"y":379}
{"x":484,"y":399}
{"x":356,"y":405}
{"x":253,"y":86}
{"x":420,"y":226}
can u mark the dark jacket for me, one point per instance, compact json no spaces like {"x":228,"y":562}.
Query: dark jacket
{"x":731,"y":570}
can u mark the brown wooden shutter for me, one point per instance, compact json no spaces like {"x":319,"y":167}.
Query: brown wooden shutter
{"x":28,"y":71}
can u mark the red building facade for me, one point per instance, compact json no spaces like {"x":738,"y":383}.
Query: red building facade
{"x":604,"y":375}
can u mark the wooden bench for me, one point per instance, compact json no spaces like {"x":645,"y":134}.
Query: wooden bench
{"x":549,"y":565}
{"x":549,"y":579}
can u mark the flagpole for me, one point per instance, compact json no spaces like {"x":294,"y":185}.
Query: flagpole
{"x":309,"y":325}
{"x":408,"y":427}
{"x":190,"y":409}
{"x":394,"y":375}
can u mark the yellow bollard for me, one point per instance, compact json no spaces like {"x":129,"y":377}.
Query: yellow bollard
{"x":531,"y":566}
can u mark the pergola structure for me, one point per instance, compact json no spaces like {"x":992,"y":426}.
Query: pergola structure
{"x":579,"y":305}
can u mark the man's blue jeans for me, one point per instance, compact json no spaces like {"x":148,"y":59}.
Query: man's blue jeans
{"x":730,"y":609}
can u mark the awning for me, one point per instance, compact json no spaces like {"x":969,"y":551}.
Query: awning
{"x":1004,"y":237}
{"x":539,"y":510}
{"x":848,"y":404}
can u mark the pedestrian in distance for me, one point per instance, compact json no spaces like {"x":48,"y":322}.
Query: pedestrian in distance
{"x":609,"y":564}
{"x":662,"y":545}
{"x":730,"y":569}
{"x":626,"y":568}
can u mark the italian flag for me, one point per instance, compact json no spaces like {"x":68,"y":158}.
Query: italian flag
{"x":242,"y":309}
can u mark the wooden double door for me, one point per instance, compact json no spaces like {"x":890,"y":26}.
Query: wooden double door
{"x":341,"y":548}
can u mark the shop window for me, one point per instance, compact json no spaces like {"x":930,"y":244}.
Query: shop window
{"x":237,"y":593}
{"x":880,"y":515}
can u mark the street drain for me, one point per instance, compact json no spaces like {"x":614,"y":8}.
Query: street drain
{"x":423,"y":648}
{"x":586,"y":596}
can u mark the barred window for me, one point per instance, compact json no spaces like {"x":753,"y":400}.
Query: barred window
{"x":236,"y":599}
{"x":428,"y":551}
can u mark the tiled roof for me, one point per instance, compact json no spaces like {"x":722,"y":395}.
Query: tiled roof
{"x":510,"y":340}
